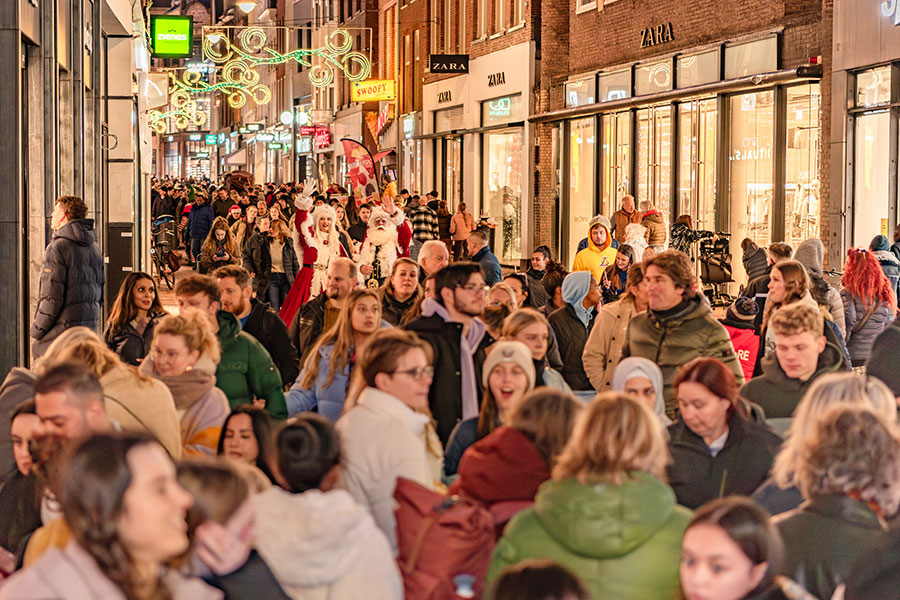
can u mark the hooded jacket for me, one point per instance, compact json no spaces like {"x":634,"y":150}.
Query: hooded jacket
{"x":859,"y":342}
{"x":270,"y":331}
{"x":746,"y":343}
{"x":656,"y":228}
{"x":246,"y":369}
{"x":811,"y":254}
{"x":776,"y":393}
{"x":490,"y":266}
{"x":71,"y":288}
{"x":891,"y":267}
{"x":323,"y":545}
{"x":620,"y":538}
{"x":604,"y":345}
{"x":635,"y":366}
{"x":572,"y":325}
{"x":202,"y":406}
{"x":595,"y":259}
{"x":756,"y":262}
{"x":671,"y":339}
{"x":15,"y":389}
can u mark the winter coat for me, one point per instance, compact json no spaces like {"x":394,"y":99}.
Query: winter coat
{"x":207,"y":254}
{"x":595,"y":259}
{"x":461,"y":439}
{"x":811,"y":254}
{"x":503,"y":471}
{"x":241,"y":232}
{"x":620,"y":538}
{"x":382,"y":439}
{"x":72,"y":574}
{"x":756,"y":262}
{"x":221,"y":206}
{"x":671,"y":340}
{"x":461,"y":225}
{"x":269,"y":330}
{"x":775,"y":499}
{"x":342,"y":552}
{"x":859,"y":343}
{"x":327,"y":397}
{"x":200,"y":220}
{"x":256,"y":258}
{"x":683,"y":237}
{"x":604,"y":345}
{"x":621,"y":219}
{"x":824,"y":538}
{"x":876,"y":575}
{"x":490,"y":266}
{"x":572,"y":335}
{"x":71,"y":288}
{"x":307,"y":325}
{"x":777,"y":394}
{"x":445,"y":393}
{"x":392,"y":310}
{"x":891,"y":267}
{"x":130,"y":345}
{"x":20,"y":511}
{"x":202,"y":406}
{"x":656,"y":228}
{"x":739,"y":468}
{"x":746,"y":343}
{"x":246,"y":369}
{"x":17,"y":387}
{"x":142,"y":407}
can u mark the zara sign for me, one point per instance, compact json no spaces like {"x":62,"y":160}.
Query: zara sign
{"x":891,"y":10}
{"x":449,"y":63}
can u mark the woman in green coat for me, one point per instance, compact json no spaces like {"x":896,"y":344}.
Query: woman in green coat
{"x":605,"y":515}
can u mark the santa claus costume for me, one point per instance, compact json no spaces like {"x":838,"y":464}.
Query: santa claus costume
{"x":387,"y":238}
{"x":315,"y":249}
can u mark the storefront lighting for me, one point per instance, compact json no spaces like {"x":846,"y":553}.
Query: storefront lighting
{"x":287,"y":117}
{"x":246,"y":5}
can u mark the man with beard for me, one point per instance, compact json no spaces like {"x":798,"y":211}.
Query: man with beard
{"x":320,"y":313}
{"x":258,"y":319}
{"x":450,"y":323}
{"x":387,"y":238}
{"x":317,"y":245}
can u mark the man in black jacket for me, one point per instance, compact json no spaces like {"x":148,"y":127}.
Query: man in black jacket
{"x":256,"y":258}
{"x":320,"y":313}
{"x":450,"y":323}
{"x":357,"y":231}
{"x":72,"y":278}
{"x":258,"y":319}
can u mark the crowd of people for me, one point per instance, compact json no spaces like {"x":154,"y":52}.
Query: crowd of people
{"x":355,"y":399}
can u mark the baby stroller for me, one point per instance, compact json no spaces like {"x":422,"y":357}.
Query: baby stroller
{"x":715,"y":269}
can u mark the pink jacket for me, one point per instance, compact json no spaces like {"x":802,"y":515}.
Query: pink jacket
{"x":461,"y":225}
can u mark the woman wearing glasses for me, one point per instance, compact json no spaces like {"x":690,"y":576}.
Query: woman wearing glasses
{"x":386,"y":431}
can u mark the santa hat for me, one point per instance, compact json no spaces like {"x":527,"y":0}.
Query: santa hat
{"x":323,"y":210}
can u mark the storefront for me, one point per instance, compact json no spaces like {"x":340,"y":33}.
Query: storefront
{"x":867,"y":73}
{"x":722,"y":133}
{"x":411,"y":153}
{"x":478,"y":144}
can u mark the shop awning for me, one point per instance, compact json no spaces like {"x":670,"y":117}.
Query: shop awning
{"x":760,"y":80}
{"x":238,"y":157}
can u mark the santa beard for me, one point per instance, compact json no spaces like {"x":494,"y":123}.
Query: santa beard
{"x":379,"y":237}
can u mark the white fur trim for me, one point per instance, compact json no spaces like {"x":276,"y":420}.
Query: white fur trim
{"x":303,"y":203}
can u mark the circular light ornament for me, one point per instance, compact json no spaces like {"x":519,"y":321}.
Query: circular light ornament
{"x":287,"y":117}
{"x":246,"y":5}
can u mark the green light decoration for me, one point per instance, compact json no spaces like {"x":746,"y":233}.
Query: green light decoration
{"x":237,"y":81}
{"x":184,"y":108}
{"x":251,"y":51}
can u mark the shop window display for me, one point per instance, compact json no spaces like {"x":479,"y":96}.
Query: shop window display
{"x":697,"y":69}
{"x":698,"y":120}
{"x":873,"y":87}
{"x":802,"y":204}
{"x":581,"y":181}
{"x":615,"y":160}
{"x":503,"y":190}
{"x":653,"y":78}
{"x":654,"y":157}
{"x":871,"y":203}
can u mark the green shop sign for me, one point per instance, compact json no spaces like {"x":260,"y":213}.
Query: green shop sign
{"x":172,"y":36}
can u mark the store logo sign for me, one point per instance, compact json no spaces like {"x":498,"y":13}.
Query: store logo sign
{"x":497,"y":79}
{"x":265,"y":137}
{"x":449,"y":63}
{"x":171,"y":36}
{"x":891,"y":10}
{"x":444,"y":97}
{"x":372,"y":90}
{"x":500,"y":108}
{"x":654,"y":36}
{"x":211,"y":139}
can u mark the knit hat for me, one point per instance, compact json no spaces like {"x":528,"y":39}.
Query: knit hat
{"x":743,"y":309}
{"x":879,"y":242}
{"x":506,"y":352}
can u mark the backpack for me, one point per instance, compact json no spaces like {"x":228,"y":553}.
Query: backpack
{"x":444,"y":543}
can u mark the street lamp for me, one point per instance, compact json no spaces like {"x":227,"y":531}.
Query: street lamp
{"x":287,"y":117}
{"x":246,"y":5}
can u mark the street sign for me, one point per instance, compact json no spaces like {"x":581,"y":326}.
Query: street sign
{"x":265,"y":137}
{"x":195,"y":137}
{"x":449,"y":63}
{"x":254,"y":126}
{"x":323,"y":137}
{"x":201,"y":155}
{"x":171,"y":36}
{"x":243,"y":130}
{"x":273,"y":146}
{"x":308,"y":130}
{"x":372,"y":90}
{"x":211,"y":139}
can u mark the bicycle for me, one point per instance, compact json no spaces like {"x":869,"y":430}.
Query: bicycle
{"x":166,"y":262}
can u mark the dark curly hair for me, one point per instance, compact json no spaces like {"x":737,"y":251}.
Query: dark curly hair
{"x":73,"y":206}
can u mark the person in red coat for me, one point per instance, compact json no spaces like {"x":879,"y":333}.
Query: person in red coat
{"x":316,"y":243}
{"x":504,"y":470}
{"x":739,"y":321}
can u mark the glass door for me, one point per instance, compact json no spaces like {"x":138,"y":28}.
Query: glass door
{"x":697,"y":123}
{"x":580,"y":202}
{"x":615,"y":160}
{"x":654,"y":157}
{"x":452,"y":153}
{"x":503,"y":179}
{"x":801,"y":194}
{"x":871,"y":172}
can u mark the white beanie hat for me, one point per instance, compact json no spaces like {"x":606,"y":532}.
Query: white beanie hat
{"x":506,"y":352}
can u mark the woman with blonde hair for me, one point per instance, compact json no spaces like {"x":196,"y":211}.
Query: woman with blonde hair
{"x":532,"y":328}
{"x":325,"y":378}
{"x":780,"y":492}
{"x":606,"y":513}
{"x":137,"y":403}
{"x":184,"y":355}
{"x":499,"y":303}
{"x":849,"y":473}
{"x":219,"y":248}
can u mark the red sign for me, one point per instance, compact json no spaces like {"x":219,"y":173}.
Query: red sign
{"x":308,"y":130}
{"x":323,"y":137}
{"x":385,"y":116}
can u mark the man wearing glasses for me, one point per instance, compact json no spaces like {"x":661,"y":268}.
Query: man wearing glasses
{"x":450,"y":323}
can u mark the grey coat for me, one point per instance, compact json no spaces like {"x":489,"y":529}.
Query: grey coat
{"x":859,"y":343}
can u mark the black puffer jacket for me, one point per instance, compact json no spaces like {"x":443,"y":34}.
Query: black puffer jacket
{"x":270,"y":331}
{"x":71,"y":284}
{"x":572,"y":336}
{"x":130,"y":345}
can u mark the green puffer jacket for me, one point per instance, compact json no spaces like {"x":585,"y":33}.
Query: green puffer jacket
{"x":672,"y":340}
{"x":623,"y":541}
{"x":246,"y":369}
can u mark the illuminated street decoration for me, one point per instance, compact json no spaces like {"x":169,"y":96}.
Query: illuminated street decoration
{"x":237,"y":81}
{"x":250,"y":50}
{"x":183,"y":108}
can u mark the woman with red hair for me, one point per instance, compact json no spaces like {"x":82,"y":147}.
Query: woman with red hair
{"x":716,"y":449}
{"x":869,"y":303}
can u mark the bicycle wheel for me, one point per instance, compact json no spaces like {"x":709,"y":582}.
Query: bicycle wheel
{"x":169,"y":277}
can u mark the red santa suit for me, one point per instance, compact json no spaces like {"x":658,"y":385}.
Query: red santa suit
{"x":315,"y":250}
{"x":387,"y":239}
